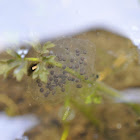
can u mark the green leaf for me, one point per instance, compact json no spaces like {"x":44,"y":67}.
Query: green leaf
{"x":41,"y":49}
{"x":21,"y":70}
{"x":41,"y":72}
{"x":3,"y":67}
{"x":48,"y":45}
{"x":97,"y":99}
{"x":50,"y":58}
{"x":8,"y":66}
{"x":13,"y":53}
{"x":44,"y":51}
{"x":43,"y":76}
{"x":36,"y":45}
{"x":88,"y":100}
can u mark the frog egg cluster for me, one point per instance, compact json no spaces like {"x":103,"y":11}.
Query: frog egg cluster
{"x":76,"y":54}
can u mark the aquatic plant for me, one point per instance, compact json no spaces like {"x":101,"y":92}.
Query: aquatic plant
{"x":62,"y":71}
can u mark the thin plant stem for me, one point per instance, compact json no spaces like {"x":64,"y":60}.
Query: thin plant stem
{"x":32,"y":59}
{"x":65,"y":132}
{"x":98,"y":85}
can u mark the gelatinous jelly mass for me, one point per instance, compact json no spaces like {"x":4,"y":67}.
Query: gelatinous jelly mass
{"x":77,"y":55}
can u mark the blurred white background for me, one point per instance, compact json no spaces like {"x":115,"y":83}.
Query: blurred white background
{"x":45,"y":19}
{"x":21,"y":20}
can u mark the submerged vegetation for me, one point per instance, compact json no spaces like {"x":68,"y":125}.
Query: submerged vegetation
{"x":54,"y":68}
{"x":64,"y":71}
